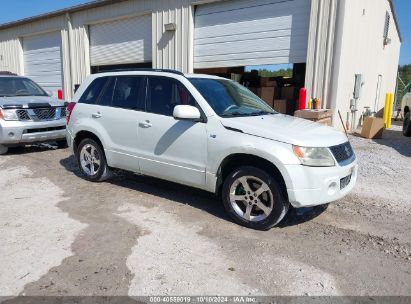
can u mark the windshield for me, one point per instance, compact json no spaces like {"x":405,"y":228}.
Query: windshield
{"x":17,"y":86}
{"x":229,"y":99}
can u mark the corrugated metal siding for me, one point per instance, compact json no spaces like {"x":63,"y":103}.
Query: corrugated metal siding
{"x":235,"y":33}
{"x":321,"y":50}
{"x":169,"y":50}
{"x":122,"y":41}
{"x":42,"y":60}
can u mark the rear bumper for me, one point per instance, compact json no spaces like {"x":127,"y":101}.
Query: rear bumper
{"x":317,"y":186}
{"x":18,"y":132}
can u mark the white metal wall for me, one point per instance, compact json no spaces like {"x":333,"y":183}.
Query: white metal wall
{"x":241,"y":32}
{"x":169,"y":49}
{"x":363,"y":52}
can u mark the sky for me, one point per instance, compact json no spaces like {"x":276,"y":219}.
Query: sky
{"x":17,"y":9}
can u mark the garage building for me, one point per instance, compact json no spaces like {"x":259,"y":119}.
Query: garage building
{"x":328,"y":42}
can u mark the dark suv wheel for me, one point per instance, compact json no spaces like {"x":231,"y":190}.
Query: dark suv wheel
{"x":253,"y":198}
{"x":92,"y":161}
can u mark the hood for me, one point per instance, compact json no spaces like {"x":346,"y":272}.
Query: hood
{"x":288,"y":129}
{"x":25,"y":101}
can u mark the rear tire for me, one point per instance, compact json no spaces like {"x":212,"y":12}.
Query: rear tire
{"x":253,"y":198}
{"x":92,"y":161}
{"x":406,"y":129}
{"x":3,"y":150}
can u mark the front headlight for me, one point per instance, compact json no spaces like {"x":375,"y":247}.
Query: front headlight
{"x":9,"y":115}
{"x":314,"y":157}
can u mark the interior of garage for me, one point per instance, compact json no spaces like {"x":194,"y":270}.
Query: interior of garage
{"x":280,"y":91}
{"x":234,"y":39}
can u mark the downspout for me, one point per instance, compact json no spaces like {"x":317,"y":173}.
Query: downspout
{"x":70,"y":69}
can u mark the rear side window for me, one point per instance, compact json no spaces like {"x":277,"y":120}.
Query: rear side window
{"x":164,"y":94}
{"x":92,"y":93}
{"x":128,"y":93}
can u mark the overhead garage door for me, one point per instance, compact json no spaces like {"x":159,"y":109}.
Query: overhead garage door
{"x":121,"y":42}
{"x":242,"y":32}
{"x":42,"y":60}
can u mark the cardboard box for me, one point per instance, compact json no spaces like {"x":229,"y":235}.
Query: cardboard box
{"x":288,"y":93}
{"x":266,"y":94}
{"x":373,"y":127}
{"x":314,"y":115}
{"x":326,"y":121}
{"x":267,"y":82}
{"x":280,"y":105}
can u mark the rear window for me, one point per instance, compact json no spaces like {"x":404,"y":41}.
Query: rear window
{"x":92,"y":93}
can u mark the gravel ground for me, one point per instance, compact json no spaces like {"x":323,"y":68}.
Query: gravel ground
{"x":134,"y":235}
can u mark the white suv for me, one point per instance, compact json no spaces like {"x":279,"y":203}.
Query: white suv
{"x":210,"y":133}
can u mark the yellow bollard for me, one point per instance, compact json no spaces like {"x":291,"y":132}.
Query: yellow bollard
{"x":386,"y":109}
{"x":390,"y":108}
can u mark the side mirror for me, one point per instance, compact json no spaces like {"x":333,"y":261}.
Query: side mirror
{"x":186,"y":112}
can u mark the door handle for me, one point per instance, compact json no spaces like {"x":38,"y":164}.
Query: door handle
{"x":96,"y":115}
{"x":145,"y":124}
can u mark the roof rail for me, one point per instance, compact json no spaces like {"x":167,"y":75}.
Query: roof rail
{"x":7,"y":73}
{"x":144,"y":70}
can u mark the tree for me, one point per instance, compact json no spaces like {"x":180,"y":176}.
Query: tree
{"x":282,"y":72}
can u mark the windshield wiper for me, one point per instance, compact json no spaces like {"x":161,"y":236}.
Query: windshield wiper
{"x":262,"y":113}
{"x":236,"y":113}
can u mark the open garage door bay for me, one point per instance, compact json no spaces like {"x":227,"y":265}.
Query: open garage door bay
{"x":125,"y":41}
{"x":241,"y":33}
{"x":42,"y":60}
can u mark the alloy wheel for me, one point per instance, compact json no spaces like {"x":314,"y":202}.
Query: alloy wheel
{"x":251,"y":198}
{"x":90,"y":159}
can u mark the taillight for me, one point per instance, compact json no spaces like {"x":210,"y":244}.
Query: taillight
{"x":69,"y":110}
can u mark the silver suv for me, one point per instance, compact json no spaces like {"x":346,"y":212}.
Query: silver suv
{"x":28,"y":114}
{"x":210,"y":133}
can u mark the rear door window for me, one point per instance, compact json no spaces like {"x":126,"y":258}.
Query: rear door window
{"x":128,"y":93}
{"x":93,"y":92}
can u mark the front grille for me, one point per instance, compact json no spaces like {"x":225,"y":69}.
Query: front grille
{"x":45,"y":113}
{"x":344,"y":182}
{"x":23,"y":115}
{"x":344,"y":154}
{"x":40,"y":114}
{"x":39,"y":130}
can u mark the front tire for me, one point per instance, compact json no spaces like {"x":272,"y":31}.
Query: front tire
{"x":253,"y":198}
{"x":3,"y":150}
{"x":406,"y":129}
{"x":92,"y":161}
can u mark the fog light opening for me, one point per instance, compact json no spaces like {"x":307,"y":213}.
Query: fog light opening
{"x":332,"y":188}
